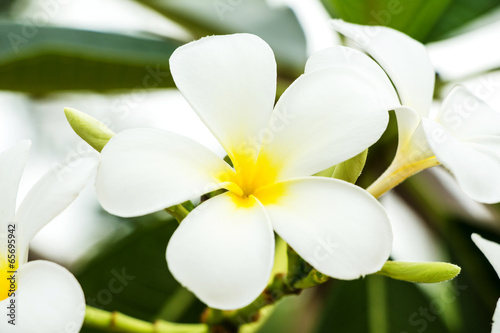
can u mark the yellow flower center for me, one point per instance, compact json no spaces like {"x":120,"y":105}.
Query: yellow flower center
{"x":252,"y":179}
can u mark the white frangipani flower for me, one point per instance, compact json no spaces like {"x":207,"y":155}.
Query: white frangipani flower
{"x":223,"y":251}
{"x":491,"y":250}
{"x":47,"y":297}
{"x":463,"y":136}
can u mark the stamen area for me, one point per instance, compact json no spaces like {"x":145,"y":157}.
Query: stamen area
{"x":270,"y":194}
{"x":249,"y":177}
{"x":232,"y":187}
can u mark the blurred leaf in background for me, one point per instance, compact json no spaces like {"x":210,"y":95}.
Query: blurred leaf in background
{"x":421,"y":19}
{"x":5,"y":6}
{"x":130,"y":275}
{"x":404,"y":308}
{"x":41,"y":60}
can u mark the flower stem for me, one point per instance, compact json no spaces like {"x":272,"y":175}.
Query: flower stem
{"x":230,"y":321}
{"x":377,"y":304}
{"x":397,"y":172}
{"x":118,"y":322}
{"x":300,"y":276}
{"x":179,"y":212}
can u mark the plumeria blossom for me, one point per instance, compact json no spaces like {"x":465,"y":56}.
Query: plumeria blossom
{"x":223,"y":251}
{"x":492,"y":252}
{"x":47,"y":297}
{"x":463,"y":135}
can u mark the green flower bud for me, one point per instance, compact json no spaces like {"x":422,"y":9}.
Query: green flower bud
{"x":89,"y":129}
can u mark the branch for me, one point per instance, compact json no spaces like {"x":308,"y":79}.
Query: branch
{"x":300,"y":276}
{"x":118,"y":322}
{"x":179,"y":212}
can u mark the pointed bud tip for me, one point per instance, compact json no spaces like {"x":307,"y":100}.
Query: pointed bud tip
{"x":70,"y":111}
{"x":89,"y":129}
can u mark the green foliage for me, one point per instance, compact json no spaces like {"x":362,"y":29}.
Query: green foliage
{"x":347,"y":308}
{"x":458,"y":13}
{"x":421,"y":19}
{"x":351,"y":169}
{"x":148,"y":288}
{"x":5,"y":6}
{"x":41,"y":60}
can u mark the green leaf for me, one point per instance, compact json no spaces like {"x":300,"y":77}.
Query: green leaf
{"x":131,"y":276}
{"x":458,"y":13}
{"x":5,"y":6}
{"x":278,"y":26}
{"x":346,"y":308}
{"x":351,"y":169}
{"x":45,"y":59}
{"x":421,"y":19}
{"x":89,"y":129}
{"x":419,"y":272}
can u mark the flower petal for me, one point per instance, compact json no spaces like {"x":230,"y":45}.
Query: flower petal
{"x":405,"y":61}
{"x":496,"y":319}
{"x":146,"y":170}
{"x":223,"y":251}
{"x":413,"y":146}
{"x":474,"y":163}
{"x":55,"y":191}
{"x":230,"y":81}
{"x":413,"y":239}
{"x":408,"y":121}
{"x":325,"y":117}
{"x":48,"y":299}
{"x":346,"y":56}
{"x":464,"y":115}
{"x":12,"y":162}
{"x":338,"y":228}
{"x":491,"y":251}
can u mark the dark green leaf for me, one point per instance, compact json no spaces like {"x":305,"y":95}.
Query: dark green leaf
{"x":421,"y":19}
{"x":131,"y":276}
{"x":45,"y":59}
{"x":458,"y":13}
{"x":5,"y":5}
{"x":346,"y":309}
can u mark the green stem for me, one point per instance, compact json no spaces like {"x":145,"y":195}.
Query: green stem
{"x":176,"y":305}
{"x":300,"y":276}
{"x":179,"y":212}
{"x":230,"y":321}
{"x":377,"y":304}
{"x":118,"y":322}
